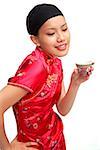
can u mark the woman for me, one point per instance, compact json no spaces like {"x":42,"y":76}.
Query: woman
{"x":38,"y":85}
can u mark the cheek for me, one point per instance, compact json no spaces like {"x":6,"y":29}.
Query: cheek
{"x":49,"y":41}
{"x":42,"y":41}
{"x":68,"y":37}
{"x":46,"y":41}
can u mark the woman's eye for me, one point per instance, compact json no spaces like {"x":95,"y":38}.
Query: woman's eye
{"x":64,"y":29}
{"x":50,"y":33}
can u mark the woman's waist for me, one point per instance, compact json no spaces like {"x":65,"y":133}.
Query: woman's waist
{"x":40,"y":125}
{"x":32,"y":117}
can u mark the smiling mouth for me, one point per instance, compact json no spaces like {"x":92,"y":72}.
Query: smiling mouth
{"x":61,"y":47}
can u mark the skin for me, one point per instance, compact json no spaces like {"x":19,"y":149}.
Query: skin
{"x":54,"y":38}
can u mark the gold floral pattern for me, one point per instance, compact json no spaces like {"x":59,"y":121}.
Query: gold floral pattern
{"x":20,"y":74}
{"x":35,"y":125}
{"x":51,"y":79}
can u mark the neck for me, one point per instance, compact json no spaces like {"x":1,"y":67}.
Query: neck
{"x":46,"y":53}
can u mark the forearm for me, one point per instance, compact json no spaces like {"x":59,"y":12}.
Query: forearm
{"x":67,"y":101}
{"x":4,"y":143}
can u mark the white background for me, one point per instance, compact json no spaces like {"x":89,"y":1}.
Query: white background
{"x":82,"y":124}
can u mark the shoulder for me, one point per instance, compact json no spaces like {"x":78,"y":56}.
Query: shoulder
{"x":31,"y":74}
{"x":31,"y":61}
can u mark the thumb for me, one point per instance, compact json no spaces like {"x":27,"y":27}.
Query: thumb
{"x":75,"y":72}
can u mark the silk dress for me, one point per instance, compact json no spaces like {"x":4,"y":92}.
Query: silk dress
{"x":41,"y":75}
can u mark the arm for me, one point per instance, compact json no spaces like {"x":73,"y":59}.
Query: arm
{"x":9,"y":95}
{"x":66,"y":100}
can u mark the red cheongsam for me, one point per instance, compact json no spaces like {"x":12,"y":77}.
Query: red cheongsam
{"x":36,"y":121}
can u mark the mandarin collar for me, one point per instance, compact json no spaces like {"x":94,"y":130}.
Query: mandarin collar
{"x":48,"y":58}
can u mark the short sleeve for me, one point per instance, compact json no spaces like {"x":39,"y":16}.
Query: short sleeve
{"x":31,"y":75}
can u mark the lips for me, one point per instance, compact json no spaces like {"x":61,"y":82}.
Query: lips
{"x":61,"y":46}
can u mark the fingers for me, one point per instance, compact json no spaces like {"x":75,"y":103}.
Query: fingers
{"x":16,"y":145}
{"x":76,"y":71}
{"x":31,"y":148}
{"x":30,"y":144}
{"x":85,"y":71}
{"x":89,"y":70}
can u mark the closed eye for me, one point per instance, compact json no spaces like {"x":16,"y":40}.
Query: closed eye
{"x":50,"y":33}
{"x":64,"y":29}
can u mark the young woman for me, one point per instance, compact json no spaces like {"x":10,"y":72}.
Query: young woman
{"x":38,"y":85}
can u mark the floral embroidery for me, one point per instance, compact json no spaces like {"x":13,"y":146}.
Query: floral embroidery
{"x":51,"y":78}
{"x":30,"y":62}
{"x":50,"y":126}
{"x":37,"y":140}
{"x":42,"y":94}
{"x":50,"y":61}
{"x":53,"y":143}
{"x":22,"y":132}
{"x":38,"y":119}
{"x":20,"y":74}
{"x":35,"y":125}
{"x":25,"y":109}
{"x":48,"y":137}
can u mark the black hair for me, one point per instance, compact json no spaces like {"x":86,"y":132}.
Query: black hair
{"x":39,"y":15}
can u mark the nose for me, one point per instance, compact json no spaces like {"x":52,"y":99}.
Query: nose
{"x":60,"y":37}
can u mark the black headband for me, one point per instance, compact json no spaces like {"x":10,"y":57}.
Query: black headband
{"x":39,"y":15}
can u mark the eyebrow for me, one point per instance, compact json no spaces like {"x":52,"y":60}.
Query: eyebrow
{"x":55,"y":28}
{"x":64,"y":24}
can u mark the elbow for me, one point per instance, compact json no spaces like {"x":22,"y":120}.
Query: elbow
{"x":63,"y":110}
{"x":1,"y":114}
{"x":63,"y":113}
{"x":1,"y":111}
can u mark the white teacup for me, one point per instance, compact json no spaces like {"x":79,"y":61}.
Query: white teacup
{"x":83,"y":68}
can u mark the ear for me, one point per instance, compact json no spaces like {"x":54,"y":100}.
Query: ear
{"x":35,"y":40}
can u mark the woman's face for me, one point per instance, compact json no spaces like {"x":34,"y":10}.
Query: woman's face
{"x":54,"y":36}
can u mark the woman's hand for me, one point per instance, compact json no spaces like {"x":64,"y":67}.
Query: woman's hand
{"x":15,"y":145}
{"x":82,"y":76}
